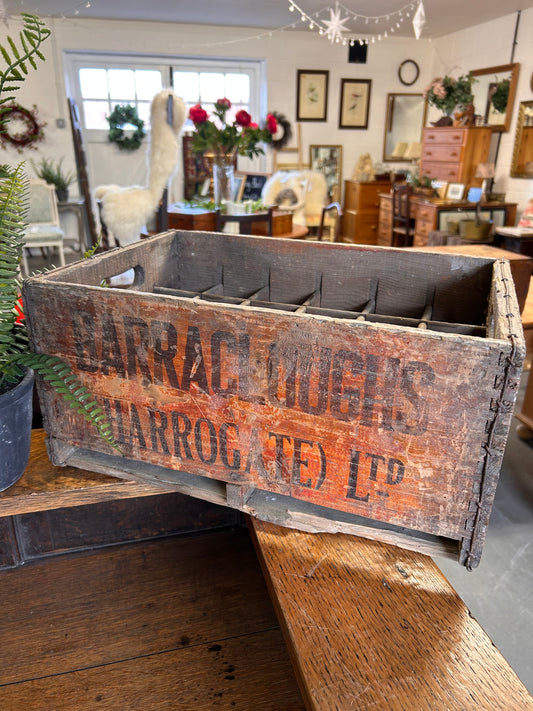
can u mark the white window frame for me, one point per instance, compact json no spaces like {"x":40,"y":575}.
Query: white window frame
{"x":74,"y":61}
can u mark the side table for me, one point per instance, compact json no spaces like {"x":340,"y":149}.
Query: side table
{"x":78,"y":208}
{"x":520,"y":243}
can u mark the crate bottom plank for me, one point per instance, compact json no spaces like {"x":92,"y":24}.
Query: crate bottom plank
{"x":264,"y":505}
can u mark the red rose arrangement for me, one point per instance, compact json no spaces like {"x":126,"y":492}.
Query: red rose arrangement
{"x":242,"y":136}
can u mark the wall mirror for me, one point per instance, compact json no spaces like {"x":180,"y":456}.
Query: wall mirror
{"x":406,"y":116}
{"x":494,"y":92}
{"x":522,"y":165}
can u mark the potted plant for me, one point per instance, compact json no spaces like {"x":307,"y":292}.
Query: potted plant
{"x":17,"y":360}
{"x":52,"y":173}
{"x":499,"y":95}
{"x":448,"y":94}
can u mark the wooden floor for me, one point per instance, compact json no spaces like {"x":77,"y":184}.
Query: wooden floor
{"x":190,"y":627}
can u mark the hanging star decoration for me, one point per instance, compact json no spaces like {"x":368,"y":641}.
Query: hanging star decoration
{"x":419,"y":20}
{"x":335,"y":25}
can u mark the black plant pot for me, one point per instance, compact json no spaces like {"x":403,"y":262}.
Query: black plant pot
{"x":62,"y":195}
{"x":16,"y":411}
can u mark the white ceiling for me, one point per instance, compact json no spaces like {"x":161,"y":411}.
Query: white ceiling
{"x":442,"y":16}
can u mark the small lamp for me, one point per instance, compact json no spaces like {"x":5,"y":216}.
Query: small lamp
{"x":399,"y":150}
{"x":486,"y":171}
{"x":413,"y":151}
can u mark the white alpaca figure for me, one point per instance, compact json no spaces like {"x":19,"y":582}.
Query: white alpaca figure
{"x":125,"y":211}
{"x":302,"y":192}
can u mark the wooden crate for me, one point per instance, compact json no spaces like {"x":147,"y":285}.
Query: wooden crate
{"x":322,"y":386}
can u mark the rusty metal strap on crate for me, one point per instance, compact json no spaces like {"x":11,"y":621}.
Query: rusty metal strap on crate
{"x":502,"y":408}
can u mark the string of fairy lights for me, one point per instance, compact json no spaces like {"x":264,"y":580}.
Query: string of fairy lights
{"x":334,"y":28}
{"x":357,"y":26}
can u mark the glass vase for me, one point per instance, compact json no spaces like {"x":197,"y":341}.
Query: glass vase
{"x":223,"y":179}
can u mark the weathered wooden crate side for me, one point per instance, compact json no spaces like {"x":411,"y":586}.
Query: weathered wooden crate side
{"x":504,"y":324}
{"x":394,"y":424}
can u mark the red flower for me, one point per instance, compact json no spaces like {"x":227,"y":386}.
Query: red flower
{"x":272,"y":124}
{"x":197,"y":114}
{"x":18,"y":309}
{"x":253,"y":125}
{"x":243,"y":118}
{"x":223,"y":104}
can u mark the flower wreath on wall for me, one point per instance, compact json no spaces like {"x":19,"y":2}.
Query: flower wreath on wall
{"x":32,"y":131}
{"x":120,"y":117}
{"x":284,"y":133}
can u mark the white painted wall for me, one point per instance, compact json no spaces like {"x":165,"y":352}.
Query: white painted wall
{"x":488,"y":44}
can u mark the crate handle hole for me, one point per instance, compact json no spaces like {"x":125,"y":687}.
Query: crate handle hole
{"x":128,"y":279}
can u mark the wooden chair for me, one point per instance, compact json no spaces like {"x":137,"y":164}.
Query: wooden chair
{"x":245,"y":221}
{"x":402,"y":235}
{"x":43,"y":228}
{"x":334,"y":228}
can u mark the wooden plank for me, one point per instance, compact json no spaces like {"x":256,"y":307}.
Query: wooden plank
{"x":248,"y":672}
{"x":521,"y":265}
{"x":43,"y":533}
{"x":371,"y":626}
{"x":45,"y":486}
{"x":124,"y":602}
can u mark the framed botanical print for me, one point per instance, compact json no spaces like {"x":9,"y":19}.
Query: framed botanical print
{"x":355,"y":103}
{"x":328,"y":160}
{"x":312,"y":95}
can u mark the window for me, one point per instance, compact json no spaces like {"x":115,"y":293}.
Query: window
{"x":102,"y":89}
{"x":207,"y":87}
{"x":99,"y":82}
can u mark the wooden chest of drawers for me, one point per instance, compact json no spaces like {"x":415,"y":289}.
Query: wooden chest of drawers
{"x":453,"y":154}
{"x":361,"y":210}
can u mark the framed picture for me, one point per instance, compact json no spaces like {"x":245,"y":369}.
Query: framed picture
{"x":328,"y":160}
{"x":312,"y":95}
{"x":355,"y":103}
{"x":441,"y":186}
{"x":252,"y":186}
{"x":239,"y":186}
{"x":455,"y":191}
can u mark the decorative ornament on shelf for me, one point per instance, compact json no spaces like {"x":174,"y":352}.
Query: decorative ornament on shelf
{"x":447,"y":94}
{"x":118,"y":120}
{"x":365,"y":28}
{"x":224,"y":140}
{"x":32,"y":131}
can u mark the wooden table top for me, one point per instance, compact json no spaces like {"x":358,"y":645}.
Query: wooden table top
{"x":372,"y":626}
{"x":44,"y":486}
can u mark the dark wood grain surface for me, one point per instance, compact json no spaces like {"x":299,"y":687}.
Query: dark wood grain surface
{"x":173,"y":625}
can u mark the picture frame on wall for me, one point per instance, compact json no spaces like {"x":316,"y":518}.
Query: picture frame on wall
{"x":354,"y":103}
{"x":328,"y":160}
{"x":312,"y":95}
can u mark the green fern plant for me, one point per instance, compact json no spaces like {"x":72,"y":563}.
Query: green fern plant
{"x":15,"y":351}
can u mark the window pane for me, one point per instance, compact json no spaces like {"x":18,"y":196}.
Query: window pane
{"x":187,"y":85}
{"x":93,"y":83}
{"x":121,"y":84}
{"x":143,"y":109}
{"x":95,"y":113}
{"x":238,"y":88}
{"x":211,"y":87}
{"x":148,"y":83}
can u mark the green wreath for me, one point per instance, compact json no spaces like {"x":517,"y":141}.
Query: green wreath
{"x":120,"y":117}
